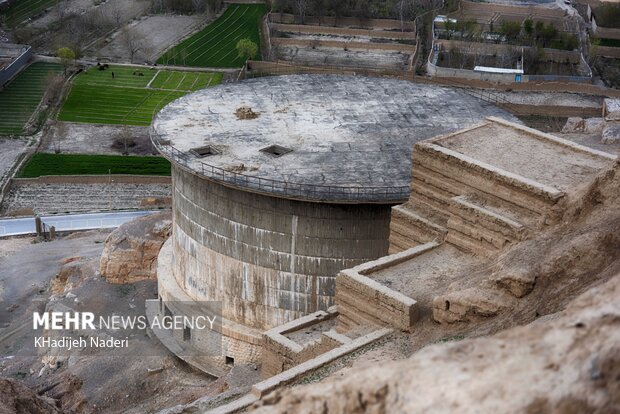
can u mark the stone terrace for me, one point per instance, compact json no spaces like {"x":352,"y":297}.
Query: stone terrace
{"x":70,"y":197}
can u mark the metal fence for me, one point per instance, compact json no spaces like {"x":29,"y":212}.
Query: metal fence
{"x":285,"y":189}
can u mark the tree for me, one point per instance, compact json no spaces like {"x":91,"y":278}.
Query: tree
{"x":528,"y":26}
{"x":546,"y":33}
{"x":510,"y":29}
{"x":247,"y":49}
{"x":133,"y":41}
{"x":406,"y":12}
{"x":58,"y":135}
{"x":450,"y":26}
{"x":124,"y":140}
{"x":67,"y":57}
{"x":300,"y":8}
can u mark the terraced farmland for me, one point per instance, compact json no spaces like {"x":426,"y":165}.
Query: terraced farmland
{"x":19,"y":100}
{"x":216,"y":45}
{"x":128,"y":95}
{"x":80,"y":164}
{"x":19,"y":11}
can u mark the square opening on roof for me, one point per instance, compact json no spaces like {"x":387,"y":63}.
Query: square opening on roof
{"x":276,"y":150}
{"x":205,"y":151}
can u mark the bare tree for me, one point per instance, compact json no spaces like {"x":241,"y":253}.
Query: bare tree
{"x":124,"y":140}
{"x":199,"y":5}
{"x":133,"y":42}
{"x":301,"y":6}
{"x":61,"y":10}
{"x":116,"y":15}
{"x":406,"y":10}
{"x":58,"y":135}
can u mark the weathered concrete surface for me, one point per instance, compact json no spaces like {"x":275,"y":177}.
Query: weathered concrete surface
{"x":569,"y":364}
{"x":269,"y":260}
{"x":130,"y":252}
{"x":239,"y":341}
{"x":343,"y":131}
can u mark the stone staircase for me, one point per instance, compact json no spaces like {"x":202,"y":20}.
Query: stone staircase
{"x":476,"y":207}
{"x":482,"y":228}
{"x":414,"y":224}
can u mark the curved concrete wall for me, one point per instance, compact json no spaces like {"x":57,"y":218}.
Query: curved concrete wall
{"x":269,"y":260}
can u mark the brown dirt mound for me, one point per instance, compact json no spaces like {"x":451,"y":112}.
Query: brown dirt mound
{"x":541,"y":275}
{"x":567,"y":365}
{"x":16,"y":398}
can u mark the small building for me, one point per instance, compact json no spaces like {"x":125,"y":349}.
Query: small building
{"x":13,"y":58}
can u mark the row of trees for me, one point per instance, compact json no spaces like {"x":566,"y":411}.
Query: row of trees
{"x":538,"y":34}
{"x":186,"y":6}
{"x":529,"y":33}
{"x":404,"y":10}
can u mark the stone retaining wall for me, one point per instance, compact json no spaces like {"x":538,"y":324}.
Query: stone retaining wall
{"x":281,"y":353}
{"x":606,"y":51}
{"x":340,"y":31}
{"x":363,"y":301}
{"x":307,"y":43}
{"x":93,"y":179}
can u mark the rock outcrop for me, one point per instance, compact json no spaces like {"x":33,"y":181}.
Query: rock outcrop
{"x":16,"y":398}
{"x":569,"y":363}
{"x":130,"y":252}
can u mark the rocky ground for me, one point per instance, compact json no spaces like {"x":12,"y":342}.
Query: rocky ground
{"x":157,"y":32}
{"x":558,"y":355}
{"x":9,"y":151}
{"x":63,"y":274}
{"x":567,"y":364}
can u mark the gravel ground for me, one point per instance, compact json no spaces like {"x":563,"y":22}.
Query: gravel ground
{"x":158,"y":32}
{"x":9,"y":151}
{"x":552,"y":98}
{"x":69,"y":6}
{"x":97,"y":139}
{"x":103,"y":383}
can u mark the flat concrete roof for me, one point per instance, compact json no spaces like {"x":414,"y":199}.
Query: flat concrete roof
{"x":350,"y":138}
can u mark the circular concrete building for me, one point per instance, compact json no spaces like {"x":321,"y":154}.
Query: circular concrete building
{"x":281,"y":182}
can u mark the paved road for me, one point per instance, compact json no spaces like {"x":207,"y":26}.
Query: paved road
{"x":20,"y":226}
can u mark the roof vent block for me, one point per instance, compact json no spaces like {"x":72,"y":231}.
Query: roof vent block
{"x":205,"y":151}
{"x":276,"y":150}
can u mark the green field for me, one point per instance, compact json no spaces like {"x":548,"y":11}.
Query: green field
{"x":216,"y":45}
{"x":78,"y":164}
{"x":610,"y":42}
{"x":22,"y":96}
{"x":22,"y":10}
{"x":131,"y":97}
